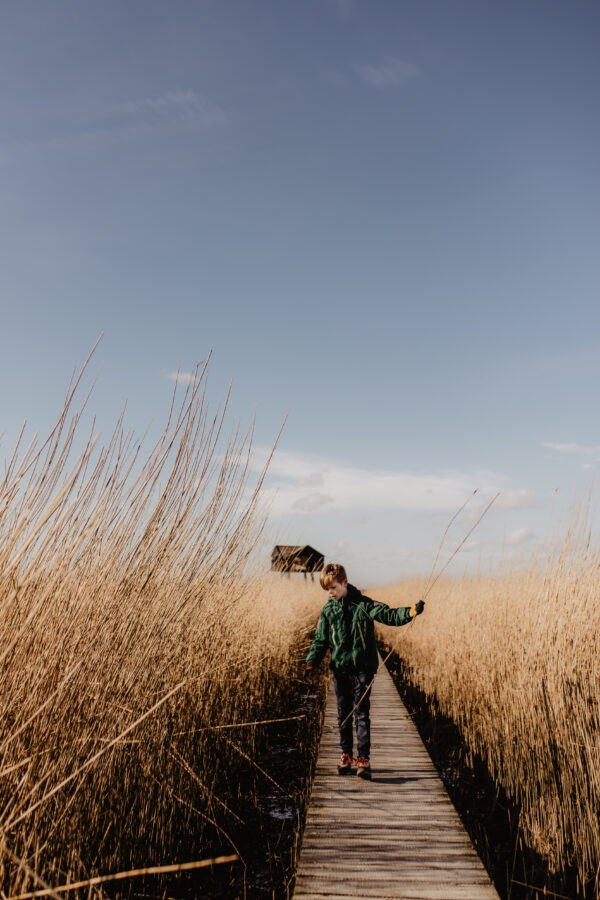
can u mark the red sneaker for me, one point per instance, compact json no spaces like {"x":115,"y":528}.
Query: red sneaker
{"x":345,"y":764}
{"x":363,"y":768}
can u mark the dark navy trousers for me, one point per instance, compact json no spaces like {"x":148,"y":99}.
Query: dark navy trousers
{"x":348,"y":690}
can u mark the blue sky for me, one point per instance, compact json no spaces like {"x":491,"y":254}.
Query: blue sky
{"x":381,"y":217}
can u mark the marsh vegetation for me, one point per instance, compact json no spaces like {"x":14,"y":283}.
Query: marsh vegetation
{"x":137,"y":645}
{"x":514,"y":662}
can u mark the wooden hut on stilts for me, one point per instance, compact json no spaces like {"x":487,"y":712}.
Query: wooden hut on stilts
{"x":290,"y":558}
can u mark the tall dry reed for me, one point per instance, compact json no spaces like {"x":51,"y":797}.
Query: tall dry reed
{"x":130,"y":629}
{"x":514,"y":660}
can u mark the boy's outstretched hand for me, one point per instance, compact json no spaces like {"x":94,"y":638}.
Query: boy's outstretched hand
{"x":417,"y":609}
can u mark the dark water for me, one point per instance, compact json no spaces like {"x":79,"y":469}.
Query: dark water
{"x":269,"y":817}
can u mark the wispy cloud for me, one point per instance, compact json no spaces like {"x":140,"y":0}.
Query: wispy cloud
{"x":183,"y":377}
{"x":518,"y":499}
{"x":102,"y":128}
{"x":178,"y":103}
{"x":315,"y":479}
{"x":342,"y":487}
{"x":519,"y":536}
{"x":394,"y":71}
{"x":571,"y":448}
{"x":471,"y":546}
{"x":311,"y":502}
{"x":510,"y":499}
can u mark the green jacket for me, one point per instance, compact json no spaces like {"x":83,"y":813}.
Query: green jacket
{"x":346,"y":628}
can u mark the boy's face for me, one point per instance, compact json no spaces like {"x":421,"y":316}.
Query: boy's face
{"x":338,"y":589}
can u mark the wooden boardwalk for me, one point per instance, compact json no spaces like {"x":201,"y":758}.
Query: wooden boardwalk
{"x":397,"y":836}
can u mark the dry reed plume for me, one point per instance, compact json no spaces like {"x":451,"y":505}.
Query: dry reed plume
{"x":130,"y":629}
{"x":514,"y":660}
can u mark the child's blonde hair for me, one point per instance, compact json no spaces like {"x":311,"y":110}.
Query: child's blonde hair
{"x":332,"y":572}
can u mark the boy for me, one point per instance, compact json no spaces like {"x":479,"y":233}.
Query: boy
{"x":346,"y":628}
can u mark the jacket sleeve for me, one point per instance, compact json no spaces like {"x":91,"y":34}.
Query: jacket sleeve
{"x":380,"y":612}
{"x":320,"y":644}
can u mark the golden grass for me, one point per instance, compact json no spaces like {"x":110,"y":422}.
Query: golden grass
{"x":514,"y":660}
{"x":130,"y":628}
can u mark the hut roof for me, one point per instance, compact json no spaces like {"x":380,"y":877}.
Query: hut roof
{"x":299,"y":558}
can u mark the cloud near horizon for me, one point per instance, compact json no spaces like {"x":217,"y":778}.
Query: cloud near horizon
{"x":519,"y":499}
{"x":519,"y":536}
{"x":304,"y":483}
{"x":570,"y":448}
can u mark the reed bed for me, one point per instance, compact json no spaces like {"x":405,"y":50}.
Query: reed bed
{"x":514,"y":660}
{"x":131,"y":631}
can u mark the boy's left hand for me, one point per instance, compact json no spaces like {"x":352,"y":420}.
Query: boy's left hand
{"x":417,"y":609}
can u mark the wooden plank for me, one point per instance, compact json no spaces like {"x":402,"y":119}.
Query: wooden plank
{"x":397,"y":837}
